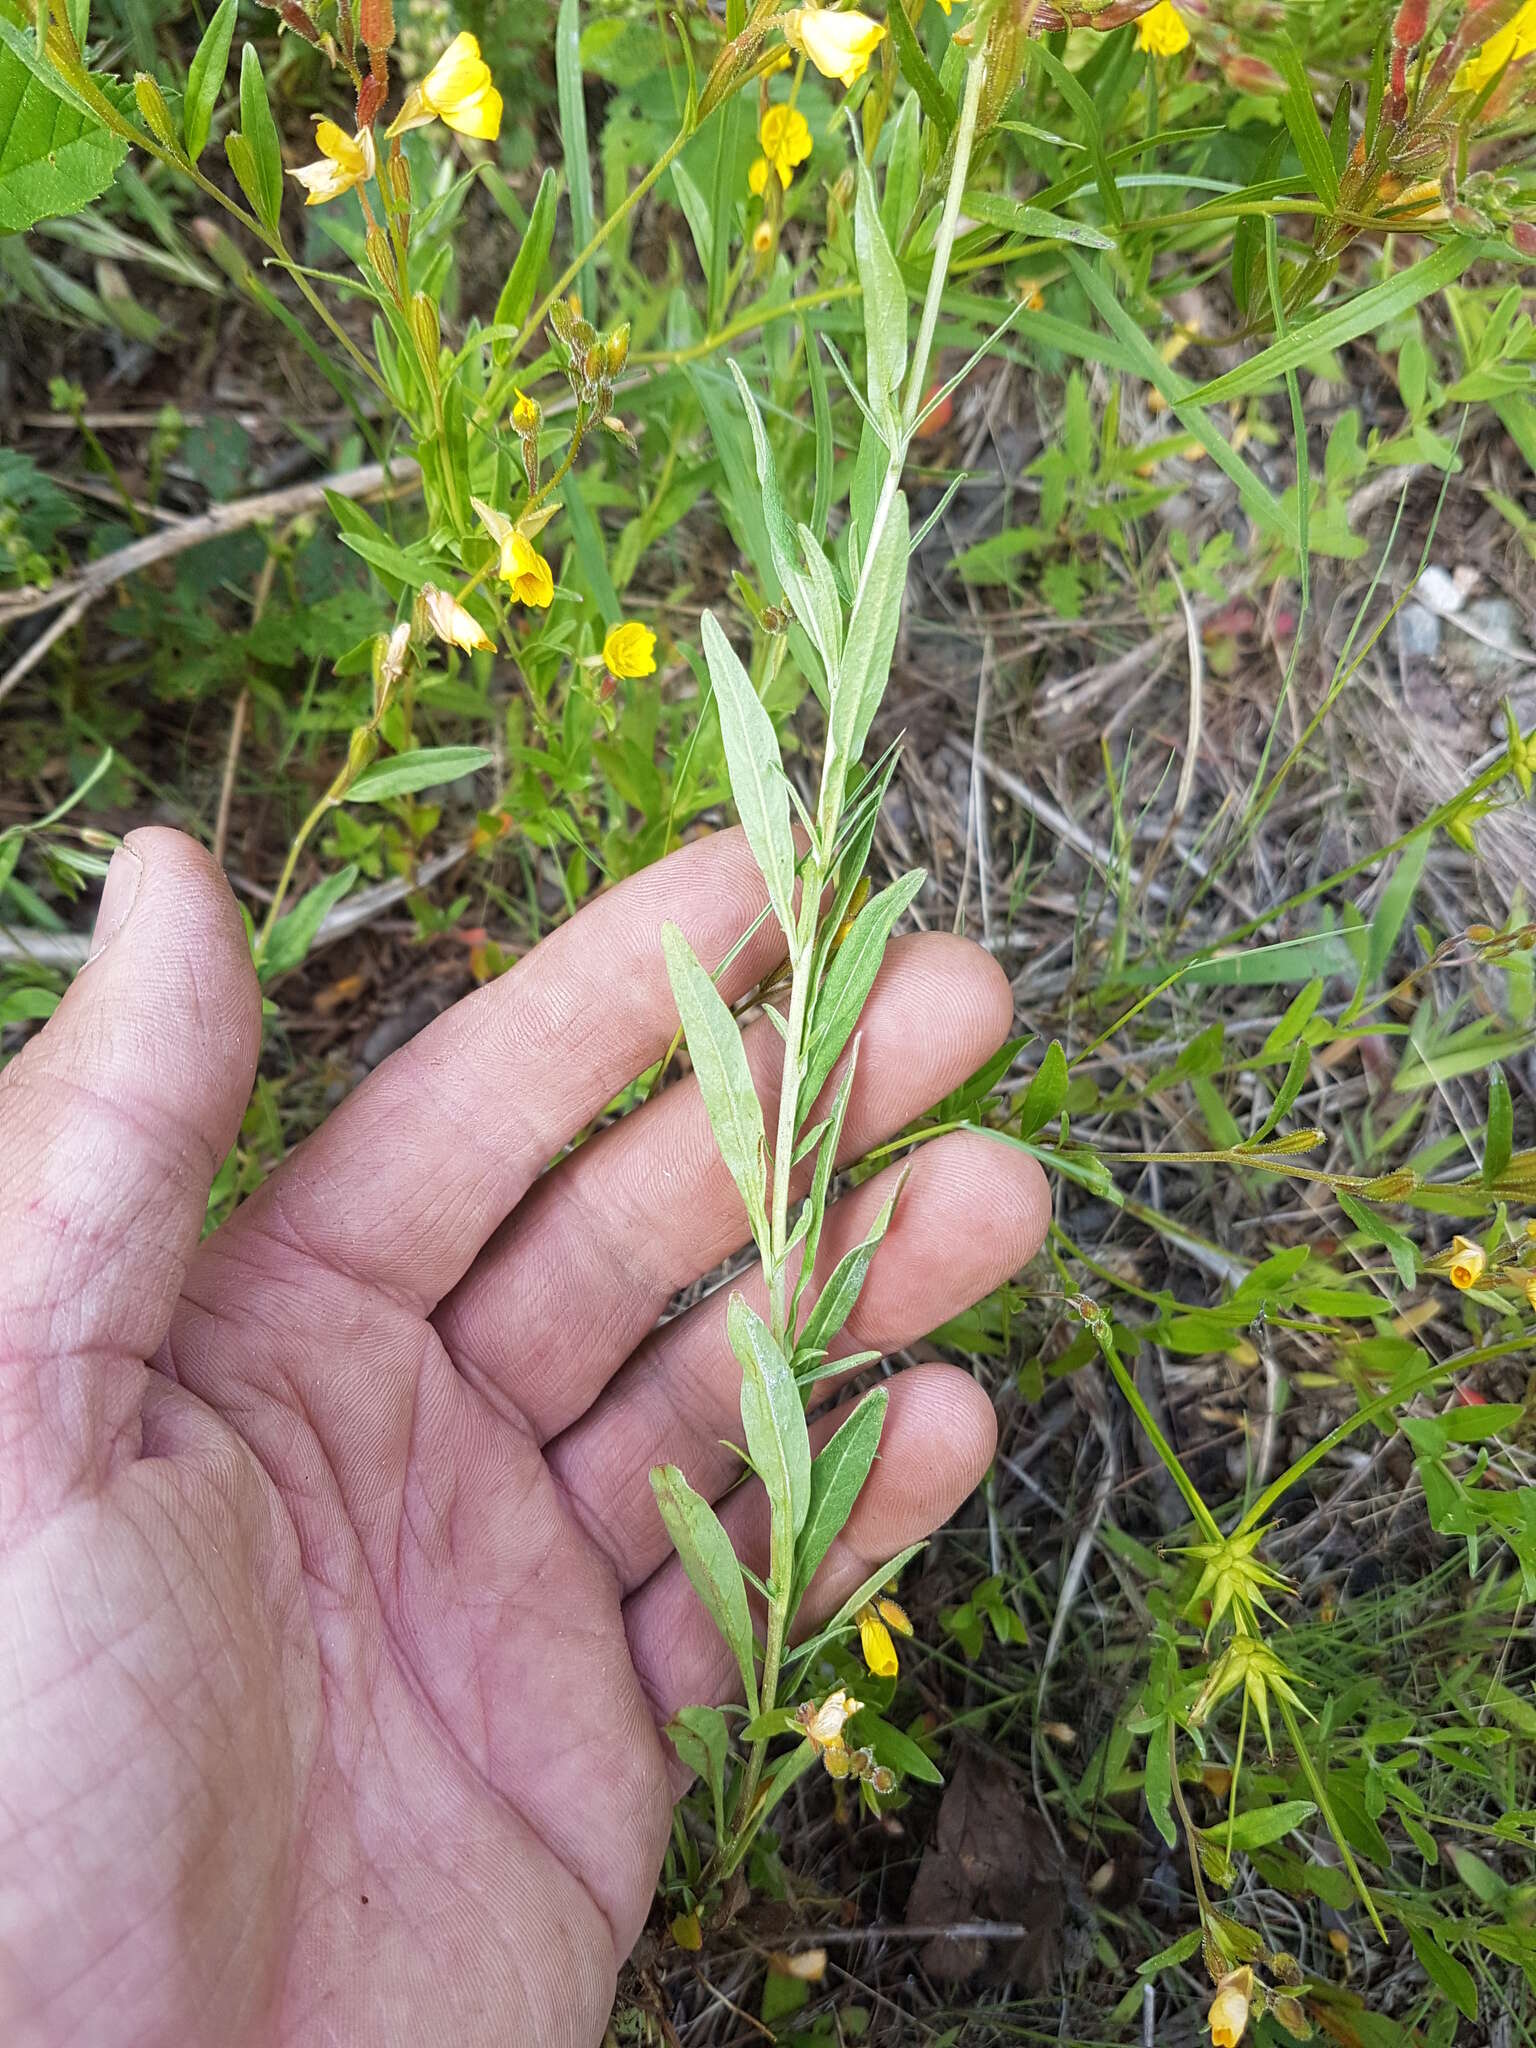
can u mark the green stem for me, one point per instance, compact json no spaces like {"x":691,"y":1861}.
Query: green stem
{"x":284,"y":880}
{"x":1165,"y":1451}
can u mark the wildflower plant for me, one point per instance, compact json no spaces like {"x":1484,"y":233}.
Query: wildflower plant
{"x":845,"y":615}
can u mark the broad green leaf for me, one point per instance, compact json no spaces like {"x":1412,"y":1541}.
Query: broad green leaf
{"x":405,"y":774}
{"x":1451,"y":1978}
{"x":700,"y":1737}
{"x":1499,"y":1146}
{"x":778,"y":1442}
{"x":757,"y":777}
{"x":293,"y":935}
{"x":1263,"y":1824}
{"x":903,"y":170}
{"x":260,"y":133}
{"x":871,"y":639}
{"x":1046,"y":1092}
{"x":54,"y":158}
{"x":838,"y":1473}
{"x":849,"y":979}
{"x":897,"y":1751}
{"x":516,"y":300}
{"x":885,"y":302}
{"x":999,"y":211}
{"x":573,"y":134}
{"x":711,"y":1565}
{"x":724,"y":1078}
{"x":838,"y":1298}
{"x":205,"y":78}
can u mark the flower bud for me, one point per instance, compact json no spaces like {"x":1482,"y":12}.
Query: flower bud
{"x":381,"y":256}
{"x":400,"y":177}
{"x":157,"y":115}
{"x":428,"y":333}
{"x":376,"y":24}
{"x":616,"y":349}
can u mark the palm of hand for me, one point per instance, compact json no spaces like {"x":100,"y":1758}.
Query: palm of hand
{"x":341,"y":1631}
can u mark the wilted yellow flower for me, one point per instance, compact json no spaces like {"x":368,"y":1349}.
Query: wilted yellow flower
{"x":527,"y":571}
{"x":762,"y":238}
{"x":1228,"y":2015}
{"x":786,"y":141}
{"x":1516,"y":39}
{"x":1467,"y":1263}
{"x":630,"y":650}
{"x":876,"y":1619}
{"x":526,"y":414}
{"x":823,"y":1727}
{"x":449,"y":620}
{"x":345,"y":161}
{"x":1162,"y":30}
{"x":457,"y":91}
{"x":839,"y":45}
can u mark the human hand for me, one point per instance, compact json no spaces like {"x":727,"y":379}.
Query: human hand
{"x":337,"y":1622}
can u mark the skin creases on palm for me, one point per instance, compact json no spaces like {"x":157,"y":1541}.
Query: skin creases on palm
{"x":339,"y":1623}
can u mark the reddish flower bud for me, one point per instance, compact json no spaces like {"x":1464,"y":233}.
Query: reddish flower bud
{"x":1412,"y":19}
{"x":371,"y":95}
{"x":1523,"y":236}
{"x":295,"y":18}
{"x":376,"y":23}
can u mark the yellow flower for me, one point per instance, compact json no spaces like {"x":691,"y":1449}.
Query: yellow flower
{"x":757,"y":176}
{"x":1467,"y":1263}
{"x":630,"y":650}
{"x":457,"y":91}
{"x":526,"y":414}
{"x":1516,"y":39}
{"x":1228,"y":2015}
{"x":345,"y":160}
{"x":839,"y":45}
{"x":876,"y":1619}
{"x":1530,"y":1289}
{"x":786,"y":142}
{"x":449,"y":620}
{"x":762,"y":238}
{"x":527,"y":571}
{"x":1162,"y":30}
{"x":823,"y":1725}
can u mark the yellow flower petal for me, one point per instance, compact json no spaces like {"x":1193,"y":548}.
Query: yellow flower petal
{"x":449,"y":620}
{"x":457,"y":91}
{"x":525,"y":414}
{"x":1228,"y":2015}
{"x":630,"y":650}
{"x":757,"y":177}
{"x":839,"y":45}
{"x":893,"y":1615}
{"x":1161,"y":30}
{"x":345,"y":161}
{"x":1467,"y":1262}
{"x":875,"y":1640}
{"x":527,"y":571}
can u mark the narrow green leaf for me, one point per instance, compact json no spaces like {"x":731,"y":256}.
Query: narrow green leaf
{"x":1298,"y":1014}
{"x":778,"y":1441}
{"x":920,"y":74}
{"x":1078,"y":100}
{"x":724,"y":1078}
{"x":838,"y":1473}
{"x":427,"y":768}
{"x":702,"y":1741}
{"x":573,"y":135}
{"x":1301,"y":117}
{"x":1157,"y":1786}
{"x":810,"y":592}
{"x":885,"y":302}
{"x":293,"y":935}
{"x":1451,"y":1978}
{"x":1499,"y":1146}
{"x":1286,"y":1094}
{"x":1261,"y":1825}
{"x":849,"y":979}
{"x":821,"y":414}
{"x":838,"y":1298}
{"x":1393,"y":908}
{"x":260,"y":133}
{"x":896,"y":1750}
{"x":999,"y":211}
{"x":821,"y":1178}
{"x":205,"y":78}
{"x":517,"y":294}
{"x":870,"y":642}
{"x":855,"y":1600}
{"x":711,"y":1565}
{"x":1399,"y":1247}
{"x":1046,"y":1092}
{"x":757,"y":777}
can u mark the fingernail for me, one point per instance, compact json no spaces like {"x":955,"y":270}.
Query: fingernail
{"x":118,"y":897}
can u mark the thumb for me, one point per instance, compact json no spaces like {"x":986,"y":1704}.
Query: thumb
{"x":113,"y":1121}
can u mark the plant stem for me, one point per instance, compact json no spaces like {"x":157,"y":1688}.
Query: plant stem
{"x":300,"y":840}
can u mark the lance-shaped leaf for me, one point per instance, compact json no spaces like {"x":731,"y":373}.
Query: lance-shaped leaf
{"x":810,"y":590}
{"x":778,"y":1442}
{"x":205,"y":77}
{"x":838,"y":1473}
{"x":849,"y":979}
{"x":262,"y":179}
{"x":866,"y":661}
{"x":757,"y":777}
{"x":699,"y":1736}
{"x":711,"y":1565}
{"x":821,"y":1180}
{"x":835,"y":1303}
{"x":885,"y":302}
{"x":725,"y":1080}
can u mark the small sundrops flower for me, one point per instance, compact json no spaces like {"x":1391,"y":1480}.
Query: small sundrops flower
{"x":527,"y":571}
{"x":786,"y":141}
{"x":526,"y":414}
{"x":1516,"y":39}
{"x":876,"y":1619}
{"x":839,"y":45}
{"x":345,"y":161}
{"x":1162,"y":31}
{"x":630,"y":651}
{"x":449,"y":620}
{"x":1467,"y":1263}
{"x":456,"y":91}
{"x":1228,"y":2016}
